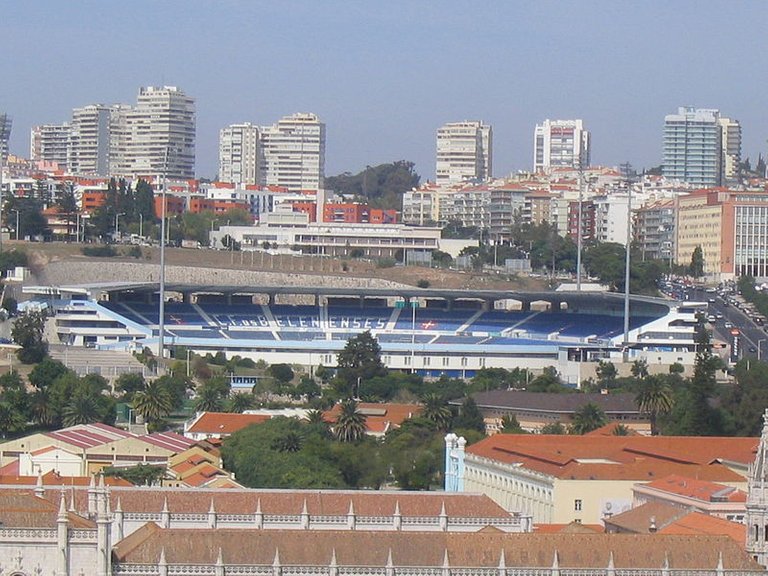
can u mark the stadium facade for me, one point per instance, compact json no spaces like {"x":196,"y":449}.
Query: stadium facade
{"x":429,"y":332}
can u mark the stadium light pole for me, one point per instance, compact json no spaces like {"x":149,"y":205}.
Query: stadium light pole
{"x":161,"y":323}
{"x":626,"y":271}
{"x":579,"y":234}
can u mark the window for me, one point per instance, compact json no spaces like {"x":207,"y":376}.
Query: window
{"x":577,"y":505}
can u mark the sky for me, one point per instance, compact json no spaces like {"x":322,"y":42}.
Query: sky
{"x":384,"y":75}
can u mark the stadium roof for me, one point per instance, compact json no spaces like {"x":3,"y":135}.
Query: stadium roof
{"x":403,"y":292}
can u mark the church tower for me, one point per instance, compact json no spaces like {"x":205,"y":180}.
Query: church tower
{"x":757,"y":500}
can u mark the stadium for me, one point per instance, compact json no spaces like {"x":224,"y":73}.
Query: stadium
{"x":430,"y":332}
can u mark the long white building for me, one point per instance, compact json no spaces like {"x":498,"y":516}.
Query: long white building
{"x":464,"y":152}
{"x":239,"y":154}
{"x":292,"y":153}
{"x":560,"y":143}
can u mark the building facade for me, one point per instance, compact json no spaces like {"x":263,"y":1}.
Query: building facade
{"x":50,"y":143}
{"x":161,"y":134}
{"x":5,"y":135}
{"x":561,"y":143}
{"x":292,"y":153}
{"x":239,"y":154}
{"x":464,"y":152}
{"x":88,"y":148}
{"x":701,"y":147}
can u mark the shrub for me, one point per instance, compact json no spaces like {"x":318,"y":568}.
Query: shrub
{"x":102,"y":251}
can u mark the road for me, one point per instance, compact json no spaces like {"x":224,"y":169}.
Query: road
{"x":752,"y":336}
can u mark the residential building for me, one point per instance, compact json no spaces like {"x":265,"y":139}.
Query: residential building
{"x":731,"y":143}
{"x":379,"y":418}
{"x":5,"y":134}
{"x":89,"y":141}
{"x":700,"y":146}
{"x":292,"y":153}
{"x":239,"y":154}
{"x":160,"y":134}
{"x":561,"y":143}
{"x":119,"y":139}
{"x":50,"y":143}
{"x":560,"y":479}
{"x":655,"y":230}
{"x":205,"y":425}
{"x":464,"y":152}
{"x":506,"y":207}
{"x":730,"y":226}
{"x":611,"y":217}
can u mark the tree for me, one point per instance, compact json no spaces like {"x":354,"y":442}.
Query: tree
{"x":209,"y":398}
{"x":283,"y":373}
{"x":81,"y":409}
{"x":606,"y":374}
{"x":654,"y":398}
{"x":360,"y":360}
{"x":240,"y":402}
{"x":382,"y":186}
{"x":350,"y":423}
{"x":46,"y":372}
{"x":139,"y":475}
{"x":154,"y":402}
{"x":696,"y":269}
{"x":130,"y":383}
{"x":587,"y":418}
{"x":510,"y":425}
{"x":554,"y":428}
{"x":42,"y":409}
{"x":27,"y":332}
{"x":470,"y":417}
{"x":639,"y":368}
{"x":10,"y":420}
{"x":435,"y":409}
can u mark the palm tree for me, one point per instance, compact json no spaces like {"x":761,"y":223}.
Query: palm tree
{"x":587,"y":418}
{"x":82,"y":409}
{"x":209,"y":399}
{"x":350,"y":423}
{"x":654,"y":398}
{"x":511,"y":425}
{"x":10,"y":419}
{"x":41,"y":406}
{"x":240,"y":402}
{"x":621,"y":430}
{"x":154,"y":402}
{"x":290,"y":442}
{"x":436,"y":410}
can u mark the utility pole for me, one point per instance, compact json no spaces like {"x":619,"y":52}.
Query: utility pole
{"x":626,"y":271}
{"x":161,"y":323}
{"x":579,"y":239}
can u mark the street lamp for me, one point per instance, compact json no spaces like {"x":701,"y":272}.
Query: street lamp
{"x":760,"y":347}
{"x":117,"y":225}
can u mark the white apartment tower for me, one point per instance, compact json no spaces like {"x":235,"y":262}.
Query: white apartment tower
{"x":560,"y":143}
{"x":464,"y":152}
{"x":292,"y":153}
{"x":239,"y":154}
{"x":160,"y":133}
{"x":89,"y":141}
{"x":50,"y":143}
{"x":701,"y":147}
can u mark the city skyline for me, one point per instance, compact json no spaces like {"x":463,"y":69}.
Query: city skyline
{"x":383,"y":80}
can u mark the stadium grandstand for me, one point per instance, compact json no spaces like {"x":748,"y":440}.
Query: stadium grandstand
{"x":431,"y":332}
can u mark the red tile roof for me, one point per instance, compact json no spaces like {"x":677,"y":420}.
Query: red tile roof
{"x":698,"y":489}
{"x":379,"y":417}
{"x":620,"y":457}
{"x":169,"y":441}
{"x":698,"y":523}
{"x":224,"y":422}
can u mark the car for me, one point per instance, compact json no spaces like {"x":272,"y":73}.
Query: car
{"x":752,"y":349}
{"x":728,"y":325}
{"x":718,"y":316}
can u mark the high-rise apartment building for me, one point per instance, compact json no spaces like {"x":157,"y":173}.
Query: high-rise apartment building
{"x":701,"y":147}
{"x":464,"y":152}
{"x":561,"y":143}
{"x":160,"y":133}
{"x":89,"y":141}
{"x":239,"y":154}
{"x":292,"y":153}
{"x":5,"y":135}
{"x":50,"y":143}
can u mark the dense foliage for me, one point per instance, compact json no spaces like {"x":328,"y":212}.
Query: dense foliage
{"x":381,"y":186}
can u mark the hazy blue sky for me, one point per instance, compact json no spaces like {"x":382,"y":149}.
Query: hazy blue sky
{"x":384,"y":75}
